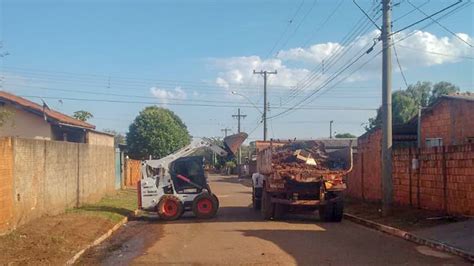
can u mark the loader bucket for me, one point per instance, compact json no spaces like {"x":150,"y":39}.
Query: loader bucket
{"x":233,"y":142}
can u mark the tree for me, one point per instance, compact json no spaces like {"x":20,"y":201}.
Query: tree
{"x":442,"y":88}
{"x":82,"y":115}
{"x":420,"y":92}
{"x":404,"y":107}
{"x":119,"y":138}
{"x":5,"y":115}
{"x":345,"y":136}
{"x":157,"y":132}
{"x":405,"y":103}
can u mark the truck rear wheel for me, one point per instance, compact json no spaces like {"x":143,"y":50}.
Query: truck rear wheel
{"x":268,"y":208}
{"x":280,"y":211}
{"x":332,"y":211}
{"x":169,"y":208}
{"x":205,"y":206}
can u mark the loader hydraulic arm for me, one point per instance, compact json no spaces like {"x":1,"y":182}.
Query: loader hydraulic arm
{"x":186,"y":151}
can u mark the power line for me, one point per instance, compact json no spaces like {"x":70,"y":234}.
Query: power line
{"x":427,"y":17}
{"x":286,"y":29}
{"x":335,"y":108}
{"x":324,"y":22}
{"x":411,"y":11}
{"x":441,"y":25}
{"x":400,"y":67}
{"x":436,"y":53}
{"x":299,"y":24}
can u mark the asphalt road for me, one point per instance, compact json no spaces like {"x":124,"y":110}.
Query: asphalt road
{"x":239,"y":236}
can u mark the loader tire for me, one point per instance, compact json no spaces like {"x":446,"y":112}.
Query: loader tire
{"x":169,"y":208}
{"x":205,"y":206}
{"x":268,"y":208}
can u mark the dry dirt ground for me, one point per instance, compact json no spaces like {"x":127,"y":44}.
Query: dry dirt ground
{"x":54,"y":240}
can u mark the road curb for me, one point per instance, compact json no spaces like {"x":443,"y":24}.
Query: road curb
{"x":410,"y":237}
{"x":99,"y":240}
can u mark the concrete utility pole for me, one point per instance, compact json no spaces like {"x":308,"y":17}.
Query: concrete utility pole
{"x":330,"y":128}
{"x":225,"y":130}
{"x":265,"y":74}
{"x":387,"y":186}
{"x":238,"y":116}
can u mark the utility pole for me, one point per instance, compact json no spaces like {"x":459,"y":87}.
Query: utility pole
{"x":330,"y":128}
{"x":265,"y":75}
{"x":225,"y":130}
{"x":387,"y":186}
{"x":238,"y":116}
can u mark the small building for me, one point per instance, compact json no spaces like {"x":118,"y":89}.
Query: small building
{"x":31,"y":120}
{"x":448,"y":121}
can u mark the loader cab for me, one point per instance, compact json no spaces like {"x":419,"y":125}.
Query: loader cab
{"x":193,"y":169}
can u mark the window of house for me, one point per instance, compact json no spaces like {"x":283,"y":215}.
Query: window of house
{"x":470,"y":139}
{"x":434,"y":142}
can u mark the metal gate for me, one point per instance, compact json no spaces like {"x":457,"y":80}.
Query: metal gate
{"x":118,"y":169}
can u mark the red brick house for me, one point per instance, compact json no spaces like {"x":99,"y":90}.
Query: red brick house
{"x":449,"y":121}
{"x":442,"y":177}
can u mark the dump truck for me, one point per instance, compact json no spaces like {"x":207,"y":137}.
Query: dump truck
{"x":301,"y":177}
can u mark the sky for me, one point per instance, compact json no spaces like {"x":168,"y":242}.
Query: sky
{"x":114,"y":58}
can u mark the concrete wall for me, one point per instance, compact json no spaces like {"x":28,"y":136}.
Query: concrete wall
{"x":6,"y":183}
{"x":451,"y":120}
{"x":98,"y":138}
{"x":51,"y":176}
{"x":25,"y":125}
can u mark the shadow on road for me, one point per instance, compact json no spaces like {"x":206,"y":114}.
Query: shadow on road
{"x":231,"y":214}
{"x":233,"y":180}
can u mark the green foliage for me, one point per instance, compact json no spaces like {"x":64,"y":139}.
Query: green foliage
{"x":230,"y":164}
{"x":82,"y":115}
{"x":405,"y":103}
{"x":119,"y":138}
{"x":344,"y":136}
{"x":442,"y":88}
{"x":157,"y":132}
{"x":404,"y":107}
{"x":5,"y":116}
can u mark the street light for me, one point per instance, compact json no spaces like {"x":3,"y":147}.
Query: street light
{"x":248,"y":99}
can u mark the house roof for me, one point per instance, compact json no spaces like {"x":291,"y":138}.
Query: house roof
{"x":39,"y":110}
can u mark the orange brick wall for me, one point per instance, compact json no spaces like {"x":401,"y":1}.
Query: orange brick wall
{"x":132,"y":172}
{"x":445,"y":178}
{"x":6,"y":183}
{"x":453,"y":121}
{"x":364,"y":181}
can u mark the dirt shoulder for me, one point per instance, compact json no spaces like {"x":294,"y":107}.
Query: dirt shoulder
{"x":55,"y":239}
{"x":402,"y":217}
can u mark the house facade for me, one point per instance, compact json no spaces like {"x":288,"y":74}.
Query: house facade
{"x":28,"y":119}
{"x":449,"y":121}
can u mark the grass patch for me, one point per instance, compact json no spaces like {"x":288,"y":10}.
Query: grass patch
{"x":113,"y":208}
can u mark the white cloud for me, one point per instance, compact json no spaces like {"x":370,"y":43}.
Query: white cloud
{"x":422,"y":49}
{"x":166,"y":95}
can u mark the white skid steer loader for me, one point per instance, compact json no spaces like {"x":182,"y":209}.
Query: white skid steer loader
{"x":177,"y":183}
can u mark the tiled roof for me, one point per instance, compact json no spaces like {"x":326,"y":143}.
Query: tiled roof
{"x":38,"y":109}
